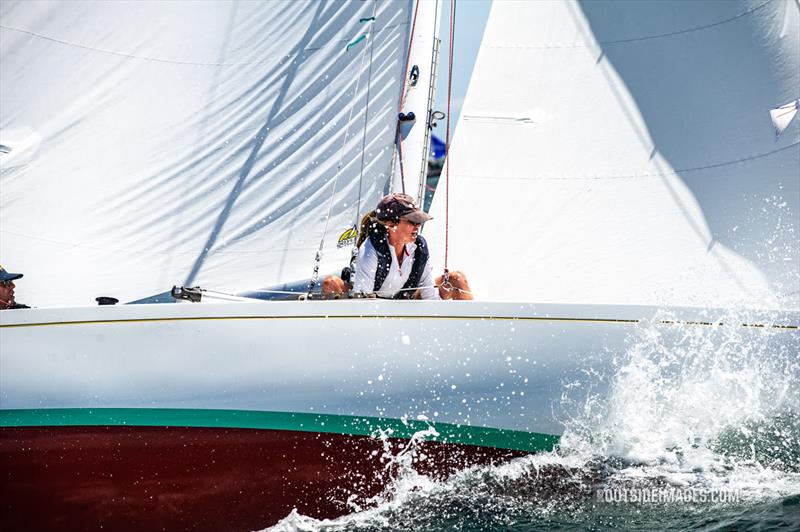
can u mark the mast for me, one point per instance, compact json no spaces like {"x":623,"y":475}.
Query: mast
{"x":418,"y":99}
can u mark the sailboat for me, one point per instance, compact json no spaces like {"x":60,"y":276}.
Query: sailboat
{"x":615,"y":163}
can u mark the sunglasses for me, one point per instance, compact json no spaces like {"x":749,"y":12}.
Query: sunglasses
{"x":6,"y":283}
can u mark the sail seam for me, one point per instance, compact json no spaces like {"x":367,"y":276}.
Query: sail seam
{"x":635,"y":176}
{"x":467,"y":176}
{"x":638,"y":39}
{"x":141,"y":251}
{"x":268,"y":60}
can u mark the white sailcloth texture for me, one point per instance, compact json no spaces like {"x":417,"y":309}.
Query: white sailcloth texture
{"x":147,"y":144}
{"x":618,"y":153}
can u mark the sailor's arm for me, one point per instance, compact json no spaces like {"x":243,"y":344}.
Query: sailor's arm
{"x":426,"y":286}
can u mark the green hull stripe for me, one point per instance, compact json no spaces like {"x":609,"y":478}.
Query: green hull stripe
{"x":303,"y":422}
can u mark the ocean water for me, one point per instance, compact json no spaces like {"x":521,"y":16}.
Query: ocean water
{"x":697,"y":428}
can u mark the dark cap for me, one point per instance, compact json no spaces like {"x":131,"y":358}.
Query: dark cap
{"x":8,"y":276}
{"x":394,"y":207}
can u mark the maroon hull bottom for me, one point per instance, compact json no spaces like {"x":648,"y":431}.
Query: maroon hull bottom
{"x":164,"y":478}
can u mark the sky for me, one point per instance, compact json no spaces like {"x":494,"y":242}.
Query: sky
{"x":471,"y":18}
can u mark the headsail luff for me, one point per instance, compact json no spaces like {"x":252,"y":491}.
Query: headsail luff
{"x":160,"y":143}
{"x":621,"y":153}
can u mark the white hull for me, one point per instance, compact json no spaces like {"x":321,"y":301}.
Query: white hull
{"x":496,"y":365}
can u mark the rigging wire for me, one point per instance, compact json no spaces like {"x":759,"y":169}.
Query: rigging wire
{"x":318,"y":258}
{"x":676,"y":171}
{"x":447,"y":141}
{"x":354,"y":250}
{"x":366,"y":121}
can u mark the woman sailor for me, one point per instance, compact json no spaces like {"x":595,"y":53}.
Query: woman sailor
{"x":393,"y":258}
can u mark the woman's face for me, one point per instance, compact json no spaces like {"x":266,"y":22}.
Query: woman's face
{"x":403,"y":232}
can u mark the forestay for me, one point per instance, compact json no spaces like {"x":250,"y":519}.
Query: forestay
{"x":623,"y":153}
{"x":147,"y":144}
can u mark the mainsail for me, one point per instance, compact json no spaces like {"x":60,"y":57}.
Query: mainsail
{"x":622,"y":153}
{"x":147,"y":144}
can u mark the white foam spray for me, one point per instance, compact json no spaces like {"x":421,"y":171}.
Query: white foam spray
{"x":677,"y":393}
{"x":679,"y":389}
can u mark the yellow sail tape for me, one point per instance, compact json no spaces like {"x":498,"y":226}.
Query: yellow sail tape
{"x":478,"y":318}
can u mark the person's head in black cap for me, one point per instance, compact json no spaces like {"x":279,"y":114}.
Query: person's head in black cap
{"x":397,"y":207}
{"x":402,"y":218}
{"x":397,"y":217}
{"x":7,"y":289}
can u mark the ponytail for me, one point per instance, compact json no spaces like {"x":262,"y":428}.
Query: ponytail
{"x":369,"y":223}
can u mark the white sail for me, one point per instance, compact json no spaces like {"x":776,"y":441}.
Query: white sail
{"x":618,"y":153}
{"x":147,"y":144}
